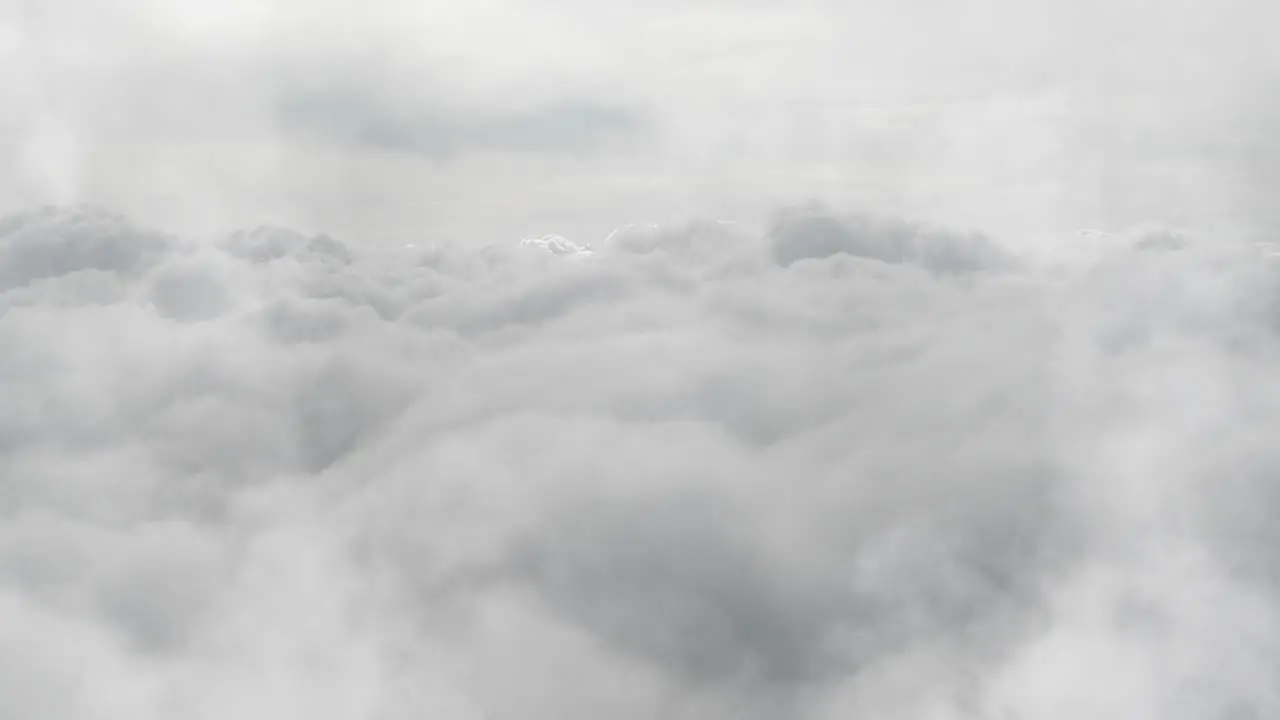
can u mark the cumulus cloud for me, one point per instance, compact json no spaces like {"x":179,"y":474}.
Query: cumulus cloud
{"x":48,"y":243}
{"x":813,"y":232}
{"x":838,"y":465}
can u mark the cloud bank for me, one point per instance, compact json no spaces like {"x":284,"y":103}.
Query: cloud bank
{"x":838,"y":466}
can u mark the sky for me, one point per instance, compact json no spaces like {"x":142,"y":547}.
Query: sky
{"x":688,"y":360}
{"x":479,"y":122}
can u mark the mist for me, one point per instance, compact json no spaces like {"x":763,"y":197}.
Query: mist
{"x":575,"y":360}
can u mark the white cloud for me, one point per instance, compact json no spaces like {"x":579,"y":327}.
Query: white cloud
{"x":820,"y":461}
{"x":707,"y":471}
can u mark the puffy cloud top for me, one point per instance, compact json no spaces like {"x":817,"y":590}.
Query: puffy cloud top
{"x":812,"y":231}
{"x":844,"y":466}
{"x":53,"y":242}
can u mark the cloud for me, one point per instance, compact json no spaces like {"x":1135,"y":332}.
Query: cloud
{"x":572,"y":116}
{"x":405,"y":125}
{"x":813,"y":232}
{"x":839,"y":465}
{"x":48,"y":243}
{"x":853,"y":459}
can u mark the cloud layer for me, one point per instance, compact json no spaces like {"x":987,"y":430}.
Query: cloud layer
{"x":839,"y":466}
{"x":391,"y":120}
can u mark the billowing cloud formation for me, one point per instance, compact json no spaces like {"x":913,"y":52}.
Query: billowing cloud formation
{"x":839,"y":467}
{"x":813,"y":232}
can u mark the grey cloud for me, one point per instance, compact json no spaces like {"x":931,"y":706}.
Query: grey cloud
{"x":814,"y":471}
{"x":51,"y":243}
{"x":189,"y":294}
{"x":340,"y":407}
{"x":505,"y":303}
{"x":266,"y":243}
{"x":291,"y":321}
{"x":677,"y":581}
{"x":409,"y":125}
{"x":812,"y":231}
{"x":814,"y":464}
{"x":669,"y":581}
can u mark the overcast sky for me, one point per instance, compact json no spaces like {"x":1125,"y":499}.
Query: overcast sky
{"x":698,"y":360}
{"x":481,"y":121}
